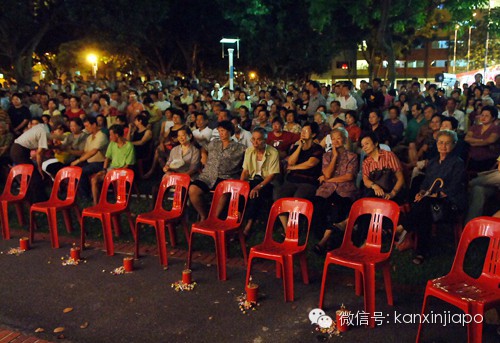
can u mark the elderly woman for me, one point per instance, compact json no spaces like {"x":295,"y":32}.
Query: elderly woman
{"x":484,"y":141}
{"x":260,"y":166}
{"x":337,"y":189}
{"x":185,"y":157}
{"x":451,"y":195}
{"x":324,"y":128}
{"x":291,"y":122}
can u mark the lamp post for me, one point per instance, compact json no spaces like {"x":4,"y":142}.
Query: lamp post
{"x":455,"y":50}
{"x":487,"y":39}
{"x":93,"y":60}
{"x":235,"y":42}
{"x":468,"y":43}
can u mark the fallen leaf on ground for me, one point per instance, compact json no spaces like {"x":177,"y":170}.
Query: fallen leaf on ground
{"x":40,"y":330}
{"x":68,"y":309}
{"x":61,"y":336}
{"x":84,"y":325}
{"x":59,"y":329}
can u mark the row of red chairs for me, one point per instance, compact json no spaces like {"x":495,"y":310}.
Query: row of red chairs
{"x":473,"y":296}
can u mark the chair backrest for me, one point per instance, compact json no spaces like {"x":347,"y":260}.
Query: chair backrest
{"x":122,"y":180}
{"x":378,"y":209}
{"x":73,"y":175}
{"x":481,"y":227}
{"x":180,"y":182}
{"x":235,"y":188}
{"x":294,"y":207}
{"x":26,"y":171}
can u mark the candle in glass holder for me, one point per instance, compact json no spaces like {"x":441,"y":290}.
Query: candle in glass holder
{"x":186,"y":276}
{"x":252,"y":292}
{"x":24,"y":243}
{"x":128,"y":264}
{"x":75,"y":253}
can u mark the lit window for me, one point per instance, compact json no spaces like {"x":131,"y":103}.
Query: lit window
{"x":415,"y":64}
{"x":440,"y":44}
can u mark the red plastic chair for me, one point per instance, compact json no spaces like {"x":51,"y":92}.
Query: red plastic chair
{"x":284,"y":252}
{"x":54,"y":204}
{"x":159,"y":216}
{"x":217,"y":228}
{"x":471,"y":295}
{"x":26,"y":171}
{"x":366,"y":258}
{"x":107,"y":212}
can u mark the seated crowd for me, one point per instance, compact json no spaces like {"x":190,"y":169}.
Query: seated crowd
{"x":331,"y":145}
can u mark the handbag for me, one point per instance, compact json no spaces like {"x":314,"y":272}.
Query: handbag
{"x":438,"y":206}
{"x":385,"y":178}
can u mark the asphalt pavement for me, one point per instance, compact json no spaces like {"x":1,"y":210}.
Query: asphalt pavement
{"x":143,"y":307}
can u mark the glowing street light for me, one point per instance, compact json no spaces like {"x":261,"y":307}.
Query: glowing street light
{"x":93,"y":60}
{"x":230,"y":51}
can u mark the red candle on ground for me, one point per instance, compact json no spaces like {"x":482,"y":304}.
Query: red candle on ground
{"x":252,"y":292}
{"x":24,"y":243}
{"x":75,"y":253}
{"x":342,"y":317}
{"x":128,"y":264}
{"x":186,"y":276}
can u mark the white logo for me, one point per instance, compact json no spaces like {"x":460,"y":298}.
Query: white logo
{"x":325,"y":322}
{"x":315,"y":314}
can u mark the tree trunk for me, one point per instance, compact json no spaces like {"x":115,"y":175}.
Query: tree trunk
{"x":23,"y":69}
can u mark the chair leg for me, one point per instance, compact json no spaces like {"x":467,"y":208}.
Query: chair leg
{"x":190,"y":251}
{"x":136,"y":237}
{"x":130,"y":223}
{"x":388,"y":284}
{"x":303,"y":268}
{"x":475,"y":330}
{"x":221,"y":254}
{"x":67,"y":220}
{"x":185,"y":227}
{"x":82,"y":233}
{"x":358,"y":283}
{"x":278,"y":270}
{"x":19,"y":212}
{"x":161,"y":242}
{"x":4,"y":216}
{"x":420,"y":327}
{"x":108,"y":234}
{"x":369,"y":287}
{"x":52,"y":219}
{"x":116,"y":224}
{"x":288,"y":277}
{"x":171,"y":233}
{"x":32,"y":227}
{"x":323,"y":284}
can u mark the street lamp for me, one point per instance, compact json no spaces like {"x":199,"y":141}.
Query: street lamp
{"x":487,"y":39}
{"x":93,"y":60}
{"x":455,"y":50}
{"x":233,"y":42}
{"x":468,"y":43}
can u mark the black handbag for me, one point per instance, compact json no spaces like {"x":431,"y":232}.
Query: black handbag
{"x":439,"y":207}
{"x":385,"y":178}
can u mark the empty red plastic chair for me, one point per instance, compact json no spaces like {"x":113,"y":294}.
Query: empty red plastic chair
{"x":366,"y":258}
{"x":218,"y":228}
{"x":106,"y":212}
{"x":55,"y":204}
{"x":283,"y":252}
{"x":159,"y":216}
{"x":474,"y":296}
{"x":25,"y":171}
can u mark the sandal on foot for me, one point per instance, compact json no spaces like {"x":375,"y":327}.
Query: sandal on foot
{"x":418,"y":260}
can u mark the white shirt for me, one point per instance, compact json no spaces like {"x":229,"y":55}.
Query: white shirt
{"x":348,"y":104}
{"x":204,"y":136}
{"x":245,"y":138}
{"x":460,"y":116}
{"x":163,"y":105}
{"x":35,"y":138}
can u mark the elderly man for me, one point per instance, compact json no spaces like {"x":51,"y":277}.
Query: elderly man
{"x":92,"y":160}
{"x":260,"y":166}
{"x":223,"y":162}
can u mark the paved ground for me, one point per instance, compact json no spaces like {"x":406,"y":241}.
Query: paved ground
{"x":142,"y":306}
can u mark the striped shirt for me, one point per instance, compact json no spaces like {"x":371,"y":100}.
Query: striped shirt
{"x":386,"y":159}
